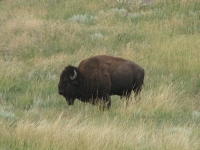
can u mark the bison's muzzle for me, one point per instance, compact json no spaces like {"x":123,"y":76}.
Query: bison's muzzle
{"x":61,"y":92}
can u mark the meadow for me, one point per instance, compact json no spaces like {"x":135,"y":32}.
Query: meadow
{"x":38,"y":38}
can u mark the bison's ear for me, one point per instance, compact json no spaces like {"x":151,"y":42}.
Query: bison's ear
{"x":75,"y":82}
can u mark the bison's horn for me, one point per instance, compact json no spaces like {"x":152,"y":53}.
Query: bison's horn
{"x":75,"y":75}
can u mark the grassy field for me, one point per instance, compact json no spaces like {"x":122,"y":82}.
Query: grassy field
{"x":38,"y":38}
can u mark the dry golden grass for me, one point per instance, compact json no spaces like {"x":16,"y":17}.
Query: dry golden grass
{"x":66,"y":133}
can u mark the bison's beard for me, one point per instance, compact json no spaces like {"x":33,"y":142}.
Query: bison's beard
{"x":70,"y":101}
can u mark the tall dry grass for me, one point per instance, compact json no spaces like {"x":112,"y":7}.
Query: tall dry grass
{"x":156,"y":123}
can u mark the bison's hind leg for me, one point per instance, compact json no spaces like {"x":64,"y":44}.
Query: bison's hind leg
{"x":128,"y":98}
{"x":138,"y":87}
{"x":137,"y":94}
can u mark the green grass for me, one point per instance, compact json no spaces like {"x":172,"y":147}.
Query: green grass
{"x":39,"y":38}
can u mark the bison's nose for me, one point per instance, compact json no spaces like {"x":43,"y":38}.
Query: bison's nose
{"x":61,"y":92}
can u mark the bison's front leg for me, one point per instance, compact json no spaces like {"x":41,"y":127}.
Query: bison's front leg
{"x":108,"y":102}
{"x":105,"y":103}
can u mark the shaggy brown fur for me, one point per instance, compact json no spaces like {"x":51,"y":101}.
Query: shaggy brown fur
{"x":98,"y":77}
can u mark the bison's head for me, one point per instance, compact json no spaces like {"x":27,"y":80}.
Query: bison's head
{"x":69,"y":84}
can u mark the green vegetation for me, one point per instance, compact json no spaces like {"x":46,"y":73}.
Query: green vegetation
{"x":38,"y":38}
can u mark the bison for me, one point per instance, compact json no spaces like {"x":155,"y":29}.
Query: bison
{"x":99,"y":77}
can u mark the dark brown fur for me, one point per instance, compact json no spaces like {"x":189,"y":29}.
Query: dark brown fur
{"x":98,"y":77}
